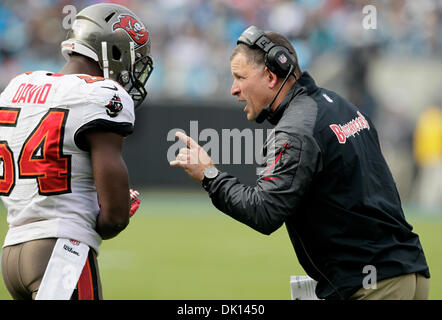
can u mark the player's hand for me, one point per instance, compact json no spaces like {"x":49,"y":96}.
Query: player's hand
{"x":134,"y":201}
{"x":193,"y":159}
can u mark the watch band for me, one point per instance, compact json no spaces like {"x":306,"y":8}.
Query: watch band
{"x":206,"y":183}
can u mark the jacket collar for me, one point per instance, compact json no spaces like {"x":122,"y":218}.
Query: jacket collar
{"x":304,"y":84}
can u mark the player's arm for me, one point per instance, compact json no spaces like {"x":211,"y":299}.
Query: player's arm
{"x":112,"y":182}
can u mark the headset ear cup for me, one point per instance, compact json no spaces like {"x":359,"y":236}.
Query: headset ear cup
{"x":270,"y":63}
{"x":279,"y":60}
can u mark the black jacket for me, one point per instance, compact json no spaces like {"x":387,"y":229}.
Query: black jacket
{"x":326,"y":179}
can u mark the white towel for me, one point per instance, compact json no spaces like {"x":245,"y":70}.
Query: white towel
{"x":303,"y":288}
{"x":63,"y":271}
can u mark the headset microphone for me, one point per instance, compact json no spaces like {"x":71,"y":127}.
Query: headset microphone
{"x":266,"y":111}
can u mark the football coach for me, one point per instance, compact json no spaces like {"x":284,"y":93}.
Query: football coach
{"x":327,"y":179}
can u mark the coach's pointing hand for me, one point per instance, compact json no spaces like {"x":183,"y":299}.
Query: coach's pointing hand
{"x":193,"y":159}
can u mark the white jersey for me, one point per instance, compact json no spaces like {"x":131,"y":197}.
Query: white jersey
{"x":46,"y":178}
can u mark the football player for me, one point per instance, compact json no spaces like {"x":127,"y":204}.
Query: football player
{"x":63,"y":180}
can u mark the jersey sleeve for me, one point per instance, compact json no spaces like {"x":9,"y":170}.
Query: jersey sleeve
{"x":108,"y":107}
{"x":288,"y":171}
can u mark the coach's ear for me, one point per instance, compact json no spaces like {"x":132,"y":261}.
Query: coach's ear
{"x":271,"y":78}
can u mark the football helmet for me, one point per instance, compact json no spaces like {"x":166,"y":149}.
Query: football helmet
{"x":113,"y":36}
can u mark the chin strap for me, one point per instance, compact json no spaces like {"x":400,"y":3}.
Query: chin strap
{"x":132,"y":54}
{"x":105,"y":61}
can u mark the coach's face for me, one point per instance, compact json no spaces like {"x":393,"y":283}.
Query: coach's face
{"x":250,"y":84}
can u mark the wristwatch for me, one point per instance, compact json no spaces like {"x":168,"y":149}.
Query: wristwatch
{"x":210,"y":174}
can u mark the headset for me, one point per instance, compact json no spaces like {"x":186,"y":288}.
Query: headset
{"x":277,"y":58}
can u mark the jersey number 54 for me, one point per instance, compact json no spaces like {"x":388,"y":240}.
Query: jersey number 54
{"x":41,"y":156}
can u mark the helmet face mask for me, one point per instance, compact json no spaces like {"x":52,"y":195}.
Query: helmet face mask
{"x":141,"y":71}
{"x":114,"y":37}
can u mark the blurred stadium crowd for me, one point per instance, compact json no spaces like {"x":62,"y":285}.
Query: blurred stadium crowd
{"x":192,"y":41}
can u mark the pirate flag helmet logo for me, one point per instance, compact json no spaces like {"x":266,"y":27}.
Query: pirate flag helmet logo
{"x":133,"y":28}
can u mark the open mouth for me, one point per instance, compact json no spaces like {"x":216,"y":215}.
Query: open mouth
{"x":245,"y":104}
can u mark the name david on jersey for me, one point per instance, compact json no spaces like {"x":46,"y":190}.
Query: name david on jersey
{"x":27,"y":91}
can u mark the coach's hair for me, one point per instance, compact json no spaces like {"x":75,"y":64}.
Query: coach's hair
{"x":256,"y":55}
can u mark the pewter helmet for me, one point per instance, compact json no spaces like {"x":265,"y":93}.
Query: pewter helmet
{"x":116,"y":38}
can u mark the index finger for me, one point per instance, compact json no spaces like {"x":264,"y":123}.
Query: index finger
{"x":186,"y":139}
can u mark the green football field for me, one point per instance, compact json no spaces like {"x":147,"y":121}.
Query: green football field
{"x":178,"y":246}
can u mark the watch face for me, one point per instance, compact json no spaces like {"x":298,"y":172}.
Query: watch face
{"x":210,"y":172}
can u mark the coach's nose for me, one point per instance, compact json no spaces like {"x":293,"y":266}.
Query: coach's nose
{"x":235,"y":89}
